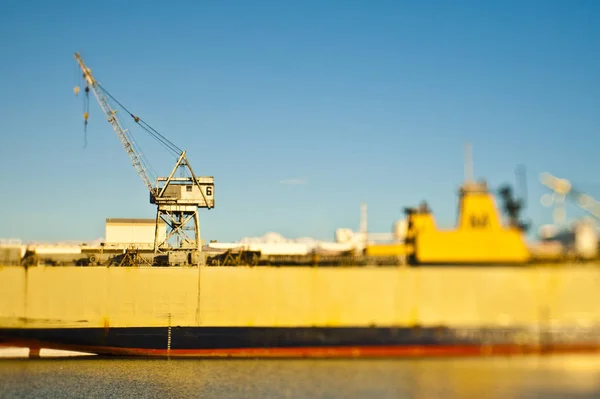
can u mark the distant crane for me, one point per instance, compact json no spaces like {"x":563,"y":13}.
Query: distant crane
{"x":563,"y":189}
{"x":177,"y":198}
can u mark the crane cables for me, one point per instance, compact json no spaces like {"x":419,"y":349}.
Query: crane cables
{"x":176,"y":151}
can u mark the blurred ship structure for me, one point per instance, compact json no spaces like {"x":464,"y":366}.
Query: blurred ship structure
{"x":481,"y":236}
{"x":274,"y":248}
{"x":11,"y":251}
{"x":577,"y":239}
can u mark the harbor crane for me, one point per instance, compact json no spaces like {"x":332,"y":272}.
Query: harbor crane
{"x":562,"y":189}
{"x":177,"y":198}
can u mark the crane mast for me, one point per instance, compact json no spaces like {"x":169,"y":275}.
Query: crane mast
{"x":113,"y":119}
{"x":177,"y":231}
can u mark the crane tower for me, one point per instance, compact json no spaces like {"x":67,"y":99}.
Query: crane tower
{"x":177,"y":197}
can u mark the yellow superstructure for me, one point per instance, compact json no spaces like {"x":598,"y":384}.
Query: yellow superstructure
{"x":480,"y":236}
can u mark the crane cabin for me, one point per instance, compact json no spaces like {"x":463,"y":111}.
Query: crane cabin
{"x":185,"y":192}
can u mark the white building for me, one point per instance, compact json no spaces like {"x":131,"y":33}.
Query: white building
{"x":132,"y":232}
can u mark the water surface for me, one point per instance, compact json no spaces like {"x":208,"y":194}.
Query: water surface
{"x":93,"y":377}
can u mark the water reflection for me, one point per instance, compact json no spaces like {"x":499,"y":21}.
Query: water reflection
{"x":550,"y":377}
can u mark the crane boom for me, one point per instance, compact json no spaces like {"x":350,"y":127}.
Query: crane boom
{"x":564,"y":187}
{"x":111,"y":114}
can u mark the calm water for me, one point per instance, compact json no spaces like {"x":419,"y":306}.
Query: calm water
{"x":547,"y":377}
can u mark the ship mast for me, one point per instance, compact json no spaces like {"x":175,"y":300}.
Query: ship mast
{"x":468,"y":164}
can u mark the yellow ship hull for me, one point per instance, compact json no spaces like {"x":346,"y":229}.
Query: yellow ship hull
{"x":270,"y":311}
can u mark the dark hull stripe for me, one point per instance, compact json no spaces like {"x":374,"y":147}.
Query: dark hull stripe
{"x":304,"y":342}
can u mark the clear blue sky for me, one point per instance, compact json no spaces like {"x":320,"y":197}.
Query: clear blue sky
{"x":367,"y":101}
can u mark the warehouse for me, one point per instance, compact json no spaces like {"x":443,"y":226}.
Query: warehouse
{"x":132,"y":232}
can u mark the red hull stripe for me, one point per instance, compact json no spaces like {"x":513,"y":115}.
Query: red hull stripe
{"x":322,"y":352}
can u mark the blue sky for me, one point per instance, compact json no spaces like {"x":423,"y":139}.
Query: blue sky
{"x":365,"y":101}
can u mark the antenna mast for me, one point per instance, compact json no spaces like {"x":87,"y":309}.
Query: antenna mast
{"x":363,"y":221}
{"x":468,"y":164}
